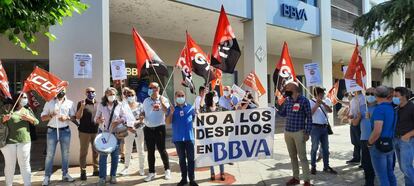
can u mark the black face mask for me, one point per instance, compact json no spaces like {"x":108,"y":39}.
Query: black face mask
{"x":288,"y":93}
{"x":61,"y":95}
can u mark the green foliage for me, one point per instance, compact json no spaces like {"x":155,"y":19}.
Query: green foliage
{"x":396,"y":18}
{"x":21,"y":19}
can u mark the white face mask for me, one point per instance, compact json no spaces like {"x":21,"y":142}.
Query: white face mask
{"x":226,"y":93}
{"x":131,"y":99}
{"x":111,"y":98}
{"x":215,"y":99}
{"x":23,"y":102}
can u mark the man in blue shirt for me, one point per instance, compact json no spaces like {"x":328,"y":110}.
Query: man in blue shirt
{"x":181,"y":117}
{"x":298,"y":126}
{"x":228,"y":101}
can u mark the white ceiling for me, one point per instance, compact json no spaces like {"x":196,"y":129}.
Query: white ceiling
{"x":169,"y":20}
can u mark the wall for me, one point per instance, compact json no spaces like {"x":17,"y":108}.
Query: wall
{"x":9,"y":51}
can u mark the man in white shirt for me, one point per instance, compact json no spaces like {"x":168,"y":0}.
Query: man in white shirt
{"x":228,"y":101}
{"x":355,"y":104}
{"x":319,"y":133}
{"x":58,"y":112}
{"x":199,"y":101}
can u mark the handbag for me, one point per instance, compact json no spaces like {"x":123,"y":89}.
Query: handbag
{"x":385,"y":144}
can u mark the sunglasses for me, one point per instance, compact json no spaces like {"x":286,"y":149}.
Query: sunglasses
{"x":369,"y":94}
{"x":91,"y":91}
{"x":180,"y":96}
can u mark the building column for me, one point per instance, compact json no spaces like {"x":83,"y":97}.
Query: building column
{"x":366,"y":51}
{"x":322,"y":46}
{"x":255,"y":49}
{"x":86,"y":33}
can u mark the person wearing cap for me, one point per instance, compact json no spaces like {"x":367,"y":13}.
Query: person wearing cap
{"x":58,"y":112}
{"x":297,"y":111}
{"x":319,"y":133}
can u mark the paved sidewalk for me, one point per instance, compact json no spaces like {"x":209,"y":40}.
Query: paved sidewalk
{"x":274,"y":171}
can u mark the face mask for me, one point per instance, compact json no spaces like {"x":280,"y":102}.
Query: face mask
{"x":23,"y":102}
{"x":288,"y":93}
{"x":91,"y":96}
{"x":131,"y":99}
{"x":61,"y":95}
{"x":226,"y":93}
{"x":370,"y":99}
{"x":111,"y":98}
{"x":180,"y":100}
{"x":215,"y":99}
{"x":396,"y":100}
{"x":150,"y":91}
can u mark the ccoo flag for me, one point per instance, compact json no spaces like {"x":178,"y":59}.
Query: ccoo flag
{"x":4,"y":82}
{"x":283,"y":74}
{"x":225,"y":51}
{"x":146,"y":58}
{"x":356,"y":69}
{"x":200,"y":64}
{"x":332,"y":94}
{"x":44,"y":83}
{"x":254,"y":83}
{"x":185,"y":65}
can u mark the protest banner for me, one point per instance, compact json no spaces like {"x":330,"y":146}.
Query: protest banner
{"x":312,"y":74}
{"x":118,"y":70}
{"x":82,"y":65}
{"x":232,"y":136}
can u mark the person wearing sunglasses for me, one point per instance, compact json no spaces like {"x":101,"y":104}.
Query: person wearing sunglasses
{"x":88,"y":129}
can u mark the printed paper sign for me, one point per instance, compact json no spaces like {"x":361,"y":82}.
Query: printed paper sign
{"x":82,"y":65}
{"x":118,"y":69}
{"x":350,"y":84}
{"x":238,"y":92}
{"x":312,"y":74}
{"x":232,"y":136}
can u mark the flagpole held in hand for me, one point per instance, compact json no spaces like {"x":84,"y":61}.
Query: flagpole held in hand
{"x":17,"y":101}
{"x":168,"y":81}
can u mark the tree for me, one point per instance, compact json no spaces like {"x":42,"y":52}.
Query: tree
{"x":395,"y":19}
{"x":21,"y":19}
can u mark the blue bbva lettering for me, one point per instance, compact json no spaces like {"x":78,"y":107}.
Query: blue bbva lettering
{"x":236,"y":149}
{"x":293,"y":12}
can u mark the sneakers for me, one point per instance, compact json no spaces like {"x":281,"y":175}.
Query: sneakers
{"x":150,"y":177}
{"x":95,"y":173}
{"x":193,"y":183}
{"x":293,"y":181}
{"x":182,"y":183}
{"x":46,"y":181}
{"x":330,"y":170}
{"x":101,"y":182}
{"x":67,"y":178}
{"x":167,"y":174}
{"x":124,"y":171}
{"x":141,"y":172}
{"x":83,"y":175}
{"x":113,"y":180}
{"x":313,"y":170}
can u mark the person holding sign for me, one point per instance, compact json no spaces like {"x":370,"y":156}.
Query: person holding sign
{"x":181,"y":117}
{"x":298,"y":126}
{"x":319,"y":132}
{"x":18,"y":142}
{"x":228,"y":101}
{"x":58,"y":112}
{"x":155,"y":108}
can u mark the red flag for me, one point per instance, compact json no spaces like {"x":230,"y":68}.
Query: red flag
{"x":33,"y":102}
{"x":253,"y":82}
{"x":145,"y":55}
{"x":185,"y":65}
{"x":44,"y":83}
{"x":218,"y":81}
{"x":283,"y":74}
{"x":332,"y":94}
{"x":200,"y":64}
{"x":225,"y":51}
{"x":4,"y":82}
{"x":356,"y":69}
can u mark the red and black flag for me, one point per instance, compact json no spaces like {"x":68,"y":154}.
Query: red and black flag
{"x":147,"y":59}
{"x":283,"y":74}
{"x":225,"y":51}
{"x":356,"y":70}
{"x":184,"y":65}
{"x":200,"y":64}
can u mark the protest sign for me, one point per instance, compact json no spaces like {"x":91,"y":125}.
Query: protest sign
{"x":231,"y":136}
{"x":82,"y":65}
{"x":238,"y":92}
{"x":312,"y":74}
{"x":118,"y":70}
{"x":351,"y":84}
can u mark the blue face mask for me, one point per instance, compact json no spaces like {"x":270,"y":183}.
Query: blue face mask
{"x":180,"y":100}
{"x":396,"y":100}
{"x":91,"y":96}
{"x":150,"y":91}
{"x":371,"y":99}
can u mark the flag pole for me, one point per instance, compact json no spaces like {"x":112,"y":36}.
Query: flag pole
{"x":14,"y":106}
{"x":305,"y":88}
{"x":168,"y":81}
{"x":365,"y":98}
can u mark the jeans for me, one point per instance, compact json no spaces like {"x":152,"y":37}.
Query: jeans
{"x":129,"y":144}
{"x":87,"y":139}
{"x":319,"y":134}
{"x":296,"y":146}
{"x":64,"y":140}
{"x":366,"y":164}
{"x":156,"y":137}
{"x":383,"y":166}
{"x":21,"y":152}
{"x":405,"y":156}
{"x":355,"y":140}
{"x":221,"y":169}
{"x":114,"y":162}
{"x":185,"y":151}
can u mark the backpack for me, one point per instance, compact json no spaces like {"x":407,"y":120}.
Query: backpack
{"x":4,"y":132}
